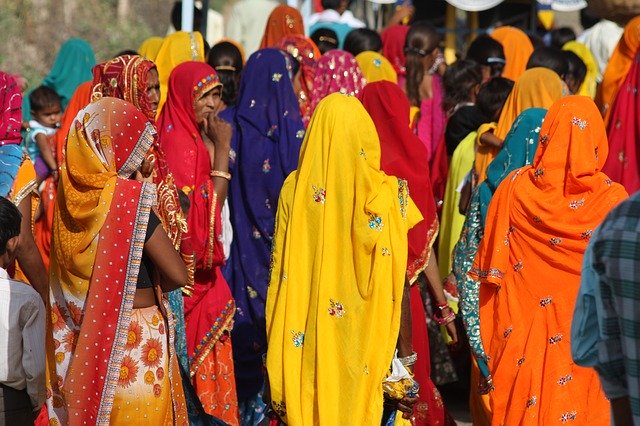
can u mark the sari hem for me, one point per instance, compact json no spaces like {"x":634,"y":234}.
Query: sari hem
{"x":222,"y":324}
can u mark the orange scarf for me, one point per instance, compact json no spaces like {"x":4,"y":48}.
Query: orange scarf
{"x":283,"y":21}
{"x":529,"y":262}
{"x":517,"y":49}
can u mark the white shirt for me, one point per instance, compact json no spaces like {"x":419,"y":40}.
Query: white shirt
{"x":246,"y":22}
{"x":22,"y":338}
{"x":330,"y":15}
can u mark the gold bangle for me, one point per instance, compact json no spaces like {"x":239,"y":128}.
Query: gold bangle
{"x":218,"y":173}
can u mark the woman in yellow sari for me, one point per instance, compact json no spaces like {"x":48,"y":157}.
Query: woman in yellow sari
{"x":338,"y":273}
{"x":376,"y":67}
{"x":176,"y":48}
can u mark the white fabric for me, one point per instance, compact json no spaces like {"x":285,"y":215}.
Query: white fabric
{"x":227,"y":229}
{"x":246,"y":22}
{"x":331,"y":15}
{"x":602,"y":39}
{"x":22,"y":338}
{"x":474,"y":5}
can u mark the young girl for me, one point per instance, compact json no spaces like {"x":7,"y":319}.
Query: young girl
{"x":46,"y":111}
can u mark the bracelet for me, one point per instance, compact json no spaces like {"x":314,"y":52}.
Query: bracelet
{"x":408,"y":361}
{"x":440,"y":320}
{"x":218,"y":173}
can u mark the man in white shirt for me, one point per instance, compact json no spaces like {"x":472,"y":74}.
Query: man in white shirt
{"x":337,"y":17}
{"x":22,"y":333}
{"x":246,"y":22}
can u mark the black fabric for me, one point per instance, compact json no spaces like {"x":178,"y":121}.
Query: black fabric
{"x":465,"y":120}
{"x":15,"y":407}
{"x":146,"y":267}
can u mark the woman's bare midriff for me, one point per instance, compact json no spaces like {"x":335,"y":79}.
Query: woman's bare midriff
{"x":144,"y":298}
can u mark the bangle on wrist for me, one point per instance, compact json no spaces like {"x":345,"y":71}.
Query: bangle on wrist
{"x":444,"y":320}
{"x":221,"y":174}
{"x":410,"y":360}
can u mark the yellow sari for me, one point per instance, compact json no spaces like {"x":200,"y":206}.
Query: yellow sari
{"x":176,"y":48}
{"x":590,"y":83}
{"x":376,"y":67}
{"x":150,"y":47}
{"x":341,"y":241}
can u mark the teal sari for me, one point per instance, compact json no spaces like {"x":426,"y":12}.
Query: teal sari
{"x":518,"y":150}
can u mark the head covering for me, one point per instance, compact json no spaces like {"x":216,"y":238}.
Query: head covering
{"x":619,"y":65}
{"x":177,"y":48}
{"x":304,"y":50}
{"x":268,"y":136}
{"x":10,"y":125}
{"x":588,"y":86}
{"x":602,"y":39}
{"x":150,"y":48}
{"x":337,"y":71}
{"x":538,"y":225}
{"x":623,"y":131}
{"x":376,"y":67}
{"x":517,"y":49}
{"x":405,"y":156}
{"x":393,"y":39}
{"x":341,"y":238}
{"x":517,"y":151}
{"x":71,"y":67}
{"x":536,"y":88}
{"x":283,"y":21}
{"x":125,"y":77}
{"x":92,"y":265}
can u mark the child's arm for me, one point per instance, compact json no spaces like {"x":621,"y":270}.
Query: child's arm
{"x":45,"y":151}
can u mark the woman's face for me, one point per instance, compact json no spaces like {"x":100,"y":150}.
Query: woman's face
{"x":207,"y":104}
{"x":153,"y":89}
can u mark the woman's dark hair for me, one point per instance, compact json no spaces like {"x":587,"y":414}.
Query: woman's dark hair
{"x":326,"y":39}
{"x":492,"y":96}
{"x":43,"y":97}
{"x":551,"y":58}
{"x":226,"y":59}
{"x":361,"y":40}
{"x":459,"y":81}
{"x":333,"y":4}
{"x":10,"y":218}
{"x":422,"y":39}
{"x":576,"y":68}
{"x":487,"y":51}
{"x":561,"y":36}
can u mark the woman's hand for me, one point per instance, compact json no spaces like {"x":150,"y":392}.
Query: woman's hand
{"x":219,"y":131}
{"x":452,"y":331}
{"x":404,"y":405}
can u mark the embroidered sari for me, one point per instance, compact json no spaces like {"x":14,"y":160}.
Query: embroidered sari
{"x":209,"y":310}
{"x":529,"y":261}
{"x":176,"y":48}
{"x":268,"y":135}
{"x":98,"y":236}
{"x":624,"y":132}
{"x":71,"y":67}
{"x":517,"y":49}
{"x":403,"y":155}
{"x":304,"y":50}
{"x":336,"y":71}
{"x":536,"y":88}
{"x":284,"y":21}
{"x":618,"y":67}
{"x":338,"y":272}
{"x":376,"y":67}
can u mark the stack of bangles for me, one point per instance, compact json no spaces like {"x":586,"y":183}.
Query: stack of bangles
{"x":223,"y":175}
{"x":440,"y":318}
{"x":410,"y":360}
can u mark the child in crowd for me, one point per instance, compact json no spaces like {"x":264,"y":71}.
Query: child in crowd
{"x":46,"y":111}
{"x":576,"y":72}
{"x":22,"y":332}
{"x":326,"y":39}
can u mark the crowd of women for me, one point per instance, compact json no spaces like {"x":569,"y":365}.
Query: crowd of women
{"x":291,"y":238}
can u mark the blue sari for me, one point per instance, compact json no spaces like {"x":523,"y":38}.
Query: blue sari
{"x":518,"y":150}
{"x":268,"y":133}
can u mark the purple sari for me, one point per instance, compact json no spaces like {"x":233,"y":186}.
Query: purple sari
{"x":268,"y":133}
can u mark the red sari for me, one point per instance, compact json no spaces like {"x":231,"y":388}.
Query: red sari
{"x":401,"y":152}
{"x":209,"y":310}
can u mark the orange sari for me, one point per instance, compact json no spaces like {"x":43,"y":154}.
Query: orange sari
{"x":536,"y":88}
{"x":618,"y":67}
{"x":529,"y":263}
{"x":517,"y":49}
{"x":283,"y":21}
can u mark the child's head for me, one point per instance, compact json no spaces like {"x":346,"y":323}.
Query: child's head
{"x":361,"y":40}
{"x":489,"y":53}
{"x":492,"y":96}
{"x":421,"y":48}
{"x":561,"y":36}
{"x":551,"y":58}
{"x":326,"y":39}
{"x":461,"y":83}
{"x":10,"y":218}
{"x":576,"y":73}
{"x":46,"y":106}
{"x":226,"y":59}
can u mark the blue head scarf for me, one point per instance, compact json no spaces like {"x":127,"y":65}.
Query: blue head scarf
{"x":268,"y":133}
{"x":518,"y":150}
